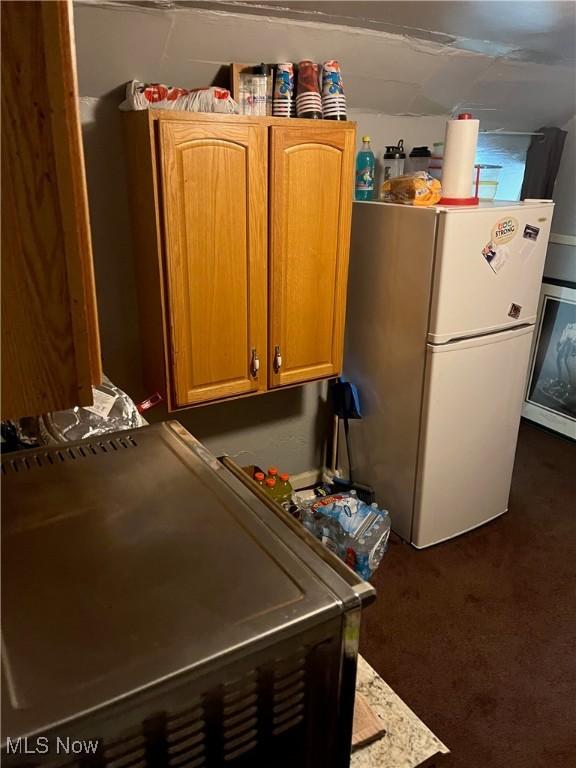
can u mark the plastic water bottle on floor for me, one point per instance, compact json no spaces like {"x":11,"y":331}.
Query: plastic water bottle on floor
{"x":365,"y":168}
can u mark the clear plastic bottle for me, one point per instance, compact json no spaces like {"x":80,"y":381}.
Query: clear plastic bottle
{"x":393,"y":162}
{"x":365,"y":169}
{"x":260,"y":80}
{"x":375,"y":527}
{"x":284,"y":487}
{"x":363,"y":559}
{"x":270,"y":487}
{"x":329,"y":535}
{"x":246,"y":99}
{"x":273,"y":472}
{"x":418,"y":159}
{"x":259,"y":477}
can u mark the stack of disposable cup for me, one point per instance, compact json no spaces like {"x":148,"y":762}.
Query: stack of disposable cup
{"x":333,"y":98}
{"x":283,"y":104}
{"x":308,"y":99}
{"x":458,"y":162}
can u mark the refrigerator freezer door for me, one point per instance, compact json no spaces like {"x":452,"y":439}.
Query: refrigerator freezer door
{"x":489,"y":265}
{"x":472,"y":400}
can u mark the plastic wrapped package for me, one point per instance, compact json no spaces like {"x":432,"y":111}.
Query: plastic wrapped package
{"x":418,"y":188}
{"x":112,"y":411}
{"x":157,"y":96}
{"x":356,"y":532}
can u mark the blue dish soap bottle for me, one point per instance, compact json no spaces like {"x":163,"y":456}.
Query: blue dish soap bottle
{"x":365,"y":167}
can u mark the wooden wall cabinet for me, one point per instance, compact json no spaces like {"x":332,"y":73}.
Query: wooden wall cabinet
{"x":50,"y":342}
{"x":241,"y":230}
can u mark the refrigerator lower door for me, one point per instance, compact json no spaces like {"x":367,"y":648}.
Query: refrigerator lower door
{"x":473,"y":395}
{"x":489,"y":264}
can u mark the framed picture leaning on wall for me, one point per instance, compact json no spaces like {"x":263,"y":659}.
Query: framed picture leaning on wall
{"x":551,"y":387}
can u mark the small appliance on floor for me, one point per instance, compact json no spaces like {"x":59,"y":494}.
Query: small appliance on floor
{"x":158,"y":606}
{"x":441,"y":313}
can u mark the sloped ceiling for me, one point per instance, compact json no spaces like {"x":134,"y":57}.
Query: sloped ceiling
{"x":510,"y":63}
{"x":535,"y":30}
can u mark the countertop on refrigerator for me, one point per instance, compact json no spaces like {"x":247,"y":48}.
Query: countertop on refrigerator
{"x":408,"y":742}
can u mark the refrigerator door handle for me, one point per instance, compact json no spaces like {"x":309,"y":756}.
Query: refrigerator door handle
{"x":480,"y":341}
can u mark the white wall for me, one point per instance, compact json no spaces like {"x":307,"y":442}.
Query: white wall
{"x":385,"y":130}
{"x":561,"y":258}
{"x":388,"y":129}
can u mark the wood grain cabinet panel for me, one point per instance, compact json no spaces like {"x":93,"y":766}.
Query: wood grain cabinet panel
{"x":214,"y":192}
{"x":310,"y":209}
{"x":237,"y":262}
{"x":50,"y":342}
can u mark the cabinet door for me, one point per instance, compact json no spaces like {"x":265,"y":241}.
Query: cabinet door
{"x":214,"y":185}
{"x":311,"y":205}
{"x":50,"y":343}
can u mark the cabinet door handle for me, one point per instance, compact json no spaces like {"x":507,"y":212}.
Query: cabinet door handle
{"x":254,"y":363}
{"x":277,"y":359}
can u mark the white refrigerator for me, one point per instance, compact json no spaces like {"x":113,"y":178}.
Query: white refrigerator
{"x":442,"y":304}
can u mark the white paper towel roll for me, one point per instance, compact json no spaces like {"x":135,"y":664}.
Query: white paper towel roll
{"x":459,"y":156}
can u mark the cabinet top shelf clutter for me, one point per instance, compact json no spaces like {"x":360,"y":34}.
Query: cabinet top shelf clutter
{"x":216,"y":117}
{"x":242,"y":228}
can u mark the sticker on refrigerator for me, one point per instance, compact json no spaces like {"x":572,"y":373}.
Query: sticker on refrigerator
{"x":531,"y":232}
{"x":529,"y":238}
{"x":504,"y":230}
{"x":514,"y":311}
{"x":496,"y":255}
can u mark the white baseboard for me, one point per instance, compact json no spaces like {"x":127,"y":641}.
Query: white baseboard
{"x":311,"y":477}
{"x":305,"y":479}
